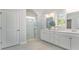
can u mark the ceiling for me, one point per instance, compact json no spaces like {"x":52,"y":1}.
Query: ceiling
{"x":46,"y":11}
{"x":72,"y":10}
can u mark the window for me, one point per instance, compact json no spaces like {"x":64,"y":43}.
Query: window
{"x":60,"y":22}
{"x":60,"y":19}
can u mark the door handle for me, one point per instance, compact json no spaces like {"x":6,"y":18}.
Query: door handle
{"x":0,"y":27}
{"x":0,"y":42}
{"x":18,"y":29}
{"x":70,"y":38}
{"x":0,"y":12}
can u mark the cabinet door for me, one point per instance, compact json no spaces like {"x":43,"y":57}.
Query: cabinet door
{"x":42,"y":34}
{"x":75,"y":43}
{"x":11,"y":29}
{"x":52,"y":37}
{"x":62,"y":40}
{"x":45,"y":35}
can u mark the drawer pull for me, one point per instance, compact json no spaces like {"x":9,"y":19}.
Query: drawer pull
{"x":0,"y":27}
{"x":0,"y":12}
{"x":0,"y":42}
{"x":70,"y":38}
{"x":18,"y":30}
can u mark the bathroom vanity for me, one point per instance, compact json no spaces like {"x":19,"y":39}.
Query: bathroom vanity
{"x":65,"y":39}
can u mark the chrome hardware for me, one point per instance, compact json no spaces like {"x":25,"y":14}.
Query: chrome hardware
{"x":0,"y":12}
{"x":18,"y":30}
{"x":0,"y":27}
{"x":0,"y":42}
{"x":70,"y":38}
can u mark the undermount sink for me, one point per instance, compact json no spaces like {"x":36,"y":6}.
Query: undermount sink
{"x":74,"y":30}
{"x":66,"y":30}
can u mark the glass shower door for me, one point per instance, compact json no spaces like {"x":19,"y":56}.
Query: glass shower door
{"x":30,"y":23}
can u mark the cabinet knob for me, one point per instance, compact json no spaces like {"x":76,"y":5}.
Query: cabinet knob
{"x":0,"y":12}
{"x":0,"y":42}
{"x":70,"y":38}
{"x":18,"y":30}
{"x":0,"y":27}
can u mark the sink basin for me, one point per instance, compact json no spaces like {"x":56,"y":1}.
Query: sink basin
{"x":74,"y":30}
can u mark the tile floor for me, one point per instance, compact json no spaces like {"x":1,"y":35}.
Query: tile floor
{"x":35,"y":45}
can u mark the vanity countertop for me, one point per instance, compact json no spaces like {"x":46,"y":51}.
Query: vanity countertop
{"x":70,"y":31}
{"x":65,"y":31}
{"x":74,"y":32}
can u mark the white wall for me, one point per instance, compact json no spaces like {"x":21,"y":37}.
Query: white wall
{"x":41,"y":20}
{"x":75,"y":19}
{"x":40,"y":17}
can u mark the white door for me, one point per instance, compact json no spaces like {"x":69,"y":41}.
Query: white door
{"x":0,"y":29}
{"x":11,"y":29}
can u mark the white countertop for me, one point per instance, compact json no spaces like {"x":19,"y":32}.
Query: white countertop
{"x":64,"y":31}
{"x":75,"y":32}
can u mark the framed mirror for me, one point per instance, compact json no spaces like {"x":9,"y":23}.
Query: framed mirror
{"x":50,"y":20}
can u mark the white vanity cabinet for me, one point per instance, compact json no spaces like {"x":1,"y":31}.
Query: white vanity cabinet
{"x":52,"y":37}
{"x":75,"y":42}
{"x":57,"y":38}
{"x":67,"y":40}
{"x":45,"y":35}
{"x":48,"y":35}
{"x":62,"y":40}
